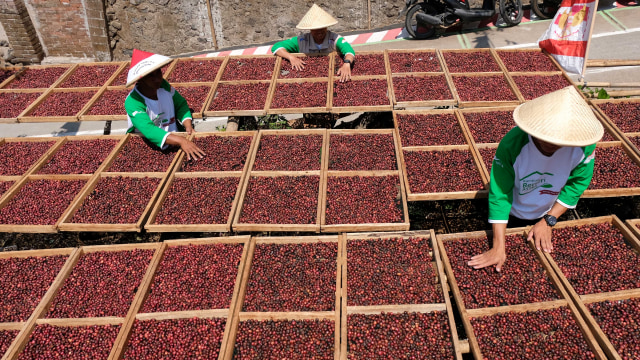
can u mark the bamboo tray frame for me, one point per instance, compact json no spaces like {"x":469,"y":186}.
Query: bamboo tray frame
{"x":400,"y":226}
{"x":74,"y":67}
{"x":239,"y":315}
{"x":12,"y":179}
{"x":466,"y":314}
{"x":380,"y":53}
{"x":179,"y":61}
{"x":15,"y":69}
{"x":66,"y":225}
{"x":249,"y":173}
{"x":198,"y":111}
{"x":483,"y":166}
{"x":378,"y":309}
{"x":297,"y":110}
{"x":482,"y":103}
{"x":614,"y":192}
{"x":610,"y":125}
{"x":120,"y":147}
{"x":84,"y":113}
{"x":235,"y":57}
{"x":436,"y":52}
{"x":27,"y":116}
{"x":237,"y":112}
{"x":465,"y":124}
{"x":362,"y":108}
{"x":513,"y":75}
{"x":425,"y":102}
{"x":466,"y":135}
{"x":580,"y":300}
{"x":26,"y":327}
{"x":329,"y":72}
{"x":523,"y":51}
{"x":12,"y":78}
{"x":38,"y":163}
{"x":494,"y":56}
{"x":11,"y":120}
{"x":123,"y":68}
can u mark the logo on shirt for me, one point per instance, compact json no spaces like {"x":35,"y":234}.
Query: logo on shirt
{"x":528,"y":185}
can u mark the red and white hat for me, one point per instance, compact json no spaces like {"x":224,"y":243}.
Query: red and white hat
{"x":143,"y":63}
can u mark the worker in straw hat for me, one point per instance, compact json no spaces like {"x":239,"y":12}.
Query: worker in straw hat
{"x":541,"y":168}
{"x":318,"y":40}
{"x":154,"y":108}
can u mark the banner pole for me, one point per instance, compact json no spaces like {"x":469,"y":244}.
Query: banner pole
{"x":586,"y":53}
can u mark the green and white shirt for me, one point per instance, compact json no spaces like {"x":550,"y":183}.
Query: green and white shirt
{"x":304,"y":43}
{"x":155,"y":119}
{"x":525,"y":183}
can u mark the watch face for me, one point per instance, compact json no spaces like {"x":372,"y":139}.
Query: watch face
{"x":551,"y":220}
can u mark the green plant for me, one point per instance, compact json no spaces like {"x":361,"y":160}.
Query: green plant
{"x":595,"y":92}
{"x":273,"y":122}
{"x":221,"y":128}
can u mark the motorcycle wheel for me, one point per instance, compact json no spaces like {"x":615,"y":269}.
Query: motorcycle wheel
{"x":545,"y":9}
{"x":419,"y":31}
{"x":511,"y":11}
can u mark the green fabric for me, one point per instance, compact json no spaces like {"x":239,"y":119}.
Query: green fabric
{"x":503,"y":175}
{"x":291,"y":45}
{"x":344,"y":47}
{"x":579,"y":179}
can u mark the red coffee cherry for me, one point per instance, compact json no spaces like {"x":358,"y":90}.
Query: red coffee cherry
{"x":362,"y":152}
{"x":140,"y":155}
{"x":487,"y":157}
{"x":526,"y":61}
{"x":195,"y":96}
{"x":6,"y":338}
{"x":625,"y":115}
{"x":619,"y":321}
{"x":239,"y":97}
{"x":442,"y":171}
{"x":198,"y":201}
{"x":423,"y":88}
{"x":404,"y":62}
{"x":13,"y":104}
{"x":314,"y":67}
{"x":49,"y":342}
{"x":101,"y":284}
{"x":37,"y":78}
{"x":379,"y":274}
{"x":259,"y":68}
{"x":595,"y":258}
{"x":300,"y":95}
{"x":116,"y":200}
{"x":362,"y":200}
{"x":483,"y":88}
{"x":4,"y":186}
{"x":63,"y":103}
{"x":194,"y":277}
{"x":89,"y":76}
{"x":195,"y":71}
{"x":292,"y":277}
{"x":399,"y":336}
{"x":5,"y":74}
{"x":522,"y":279}
{"x":429,"y":129}
{"x":79,"y":157}
{"x":489,"y":127}
{"x":23,"y":283}
{"x":532,"y":87}
{"x":288,"y":153}
{"x":610,"y":162}
{"x":40,"y":202}
{"x":470,"y":61}
{"x":366,"y":64}
{"x":176,"y":339}
{"x":285,"y":339}
{"x":281,"y":200}
{"x":111,"y":102}
{"x":527,"y":335}
{"x":17,"y":157}
{"x":372,"y":92}
{"x":224,"y":153}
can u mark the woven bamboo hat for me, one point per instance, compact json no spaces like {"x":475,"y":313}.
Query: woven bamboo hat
{"x":562,"y":118}
{"x":316,"y":18}
{"x":144,"y":63}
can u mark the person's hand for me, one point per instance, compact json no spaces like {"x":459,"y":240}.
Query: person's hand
{"x":188,"y":127}
{"x":345,"y":72}
{"x":297,"y":63}
{"x":541,"y":233}
{"x":192,"y":150}
{"x":495,"y":256}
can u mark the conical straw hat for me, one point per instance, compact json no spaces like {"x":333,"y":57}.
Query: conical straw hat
{"x":144,"y":63}
{"x":316,"y":18}
{"x":562,"y":118}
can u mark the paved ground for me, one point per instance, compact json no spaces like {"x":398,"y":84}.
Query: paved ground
{"x":616,"y":36}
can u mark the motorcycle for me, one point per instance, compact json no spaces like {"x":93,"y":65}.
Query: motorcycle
{"x":545,"y":9}
{"x":423,"y":18}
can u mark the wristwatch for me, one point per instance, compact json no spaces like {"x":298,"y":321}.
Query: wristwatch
{"x":347,"y":61}
{"x":550,"y":219}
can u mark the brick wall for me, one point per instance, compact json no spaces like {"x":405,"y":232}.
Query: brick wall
{"x":20,"y":31}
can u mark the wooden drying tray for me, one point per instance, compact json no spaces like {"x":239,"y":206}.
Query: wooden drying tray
{"x":442,"y":279}
{"x":10,"y":120}
{"x":469,"y":51}
{"x":483,"y":168}
{"x":237,"y":112}
{"x":450,"y":195}
{"x":467,"y":314}
{"x":239,"y":57}
{"x":610,"y":125}
{"x":16,"y":69}
{"x":297,"y":110}
{"x":124,"y":67}
{"x":66,"y":225}
{"x":466,"y":135}
{"x":198,"y":111}
{"x":381,"y":53}
{"x":14,"y":179}
{"x":632,"y":224}
{"x":523,"y":52}
{"x":399,"y":226}
{"x":615,"y":192}
{"x":580,"y":300}
{"x":424,"y":102}
{"x":84,"y":116}
{"x":38,"y":163}
{"x":512,"y":75}
{"x":74,"y":67}
{"x":353,"y":132}
{"x":13,"y":77}
{"x":331,"y":62}
{"x":106,"y":165}
{"x":15,"y":190}
{"x":178,"y":61}
{"x":435,"y":52}
{"x":27,"y":117}
{"x":239,"y":315}
{"x":363,"y":108}
{"x":465,"y":124}
{"x":482,"y":103}
{"x":27,"y":326}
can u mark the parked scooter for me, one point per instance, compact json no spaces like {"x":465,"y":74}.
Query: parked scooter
{"x":423,"y":18}
{"x":545,"y":9}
